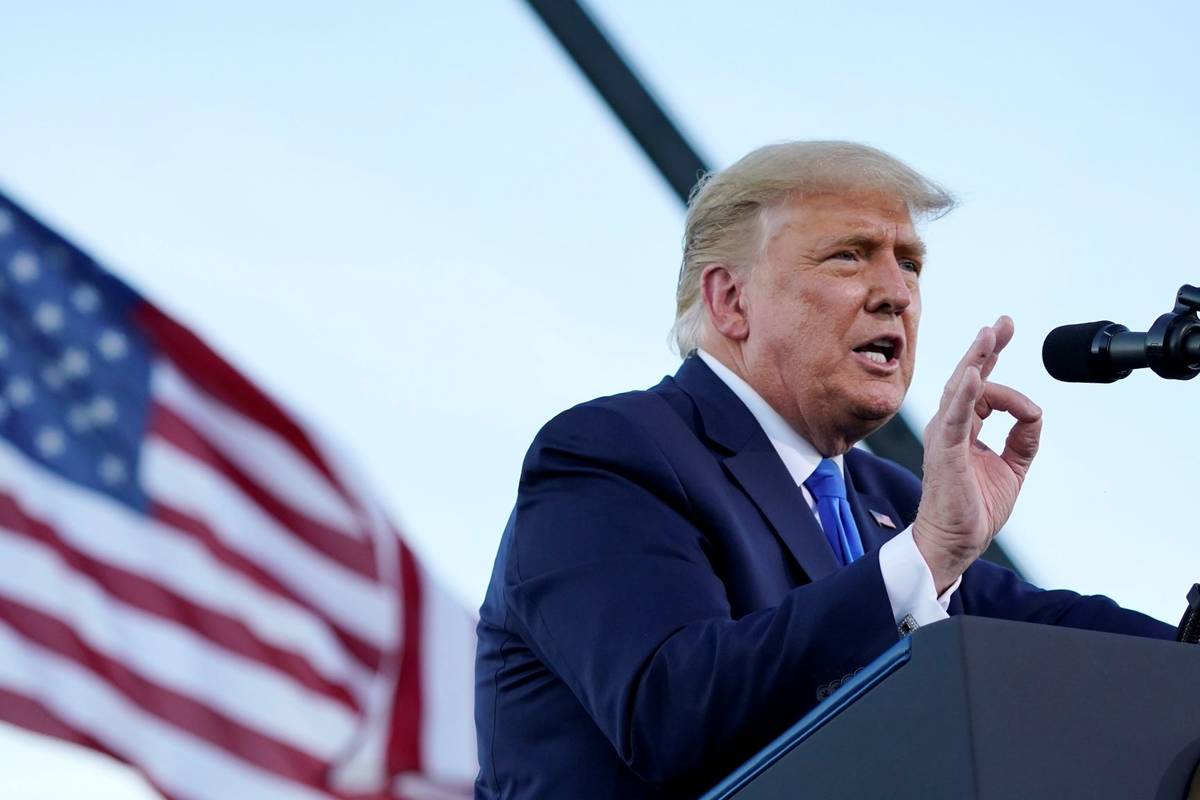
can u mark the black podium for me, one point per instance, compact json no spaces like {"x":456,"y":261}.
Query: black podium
{"x":995,"y":710}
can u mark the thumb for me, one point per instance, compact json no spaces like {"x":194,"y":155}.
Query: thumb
{"x":1021,"y":445}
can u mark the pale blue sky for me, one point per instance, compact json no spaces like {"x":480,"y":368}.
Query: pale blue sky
{"x":417,"y":225}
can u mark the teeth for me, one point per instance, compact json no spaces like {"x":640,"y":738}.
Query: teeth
{"x":882,"y":342}
{"x":878,"y":358}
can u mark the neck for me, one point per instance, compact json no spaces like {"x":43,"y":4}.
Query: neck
{"x":817,"y":426}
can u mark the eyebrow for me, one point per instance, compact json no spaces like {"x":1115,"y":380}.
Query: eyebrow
{"x":912,"y":247}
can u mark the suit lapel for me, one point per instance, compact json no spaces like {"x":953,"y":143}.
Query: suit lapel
{"x":765,"y":479}
{"x":872,"y":532}
{"x":756,"y":467}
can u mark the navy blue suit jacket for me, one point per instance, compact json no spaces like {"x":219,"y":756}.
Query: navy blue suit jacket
{"x":664,"y":603}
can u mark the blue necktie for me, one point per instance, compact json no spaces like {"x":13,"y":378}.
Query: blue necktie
{"x":829,"y":490}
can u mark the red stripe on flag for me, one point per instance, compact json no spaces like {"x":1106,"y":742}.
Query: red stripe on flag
{"x":178,"y":709}
{"x":140,"y":592}
{"x":201,"y":364}
{"x":32,"y":715}
{"x":404,"y":748}
{"x":366,"y":653}
{"x":19,"y":710}
{"x":25,"y":712}
{"x":355,"y":554}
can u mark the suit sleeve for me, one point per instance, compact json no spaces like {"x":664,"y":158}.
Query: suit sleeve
{"x":616,"y":587}
{"x":989,"y":590}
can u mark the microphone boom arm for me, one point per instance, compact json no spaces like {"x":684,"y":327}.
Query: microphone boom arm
{"x":1173,"y":341}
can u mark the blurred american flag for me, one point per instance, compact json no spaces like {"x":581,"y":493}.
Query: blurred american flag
{"x":190,"y":580}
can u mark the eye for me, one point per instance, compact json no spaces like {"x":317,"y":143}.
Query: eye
{"x":845,"y":255}
{"x":910,"y":265}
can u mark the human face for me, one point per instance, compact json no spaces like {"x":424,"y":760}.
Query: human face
{"x":837,"y":279}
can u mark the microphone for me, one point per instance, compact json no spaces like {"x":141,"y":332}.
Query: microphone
{"x":1189,"y":627}
{"x":1104,"y":352}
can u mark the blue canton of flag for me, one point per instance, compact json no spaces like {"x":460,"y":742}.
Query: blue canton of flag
{"x":74,"y":374}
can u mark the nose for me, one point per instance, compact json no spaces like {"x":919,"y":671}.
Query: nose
{"x":890,"y":290}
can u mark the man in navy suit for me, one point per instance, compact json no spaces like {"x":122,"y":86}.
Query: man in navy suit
{"x":688,"y":569}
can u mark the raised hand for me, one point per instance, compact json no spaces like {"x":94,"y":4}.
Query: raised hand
{"x":969,"y":491}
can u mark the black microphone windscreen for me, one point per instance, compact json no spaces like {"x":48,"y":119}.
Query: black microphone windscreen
{"x":1068,"y":354}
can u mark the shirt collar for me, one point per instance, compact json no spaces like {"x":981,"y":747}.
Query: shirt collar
{"x":796,"y":452}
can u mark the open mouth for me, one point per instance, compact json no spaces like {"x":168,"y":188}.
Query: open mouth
{"x":882,"y":351}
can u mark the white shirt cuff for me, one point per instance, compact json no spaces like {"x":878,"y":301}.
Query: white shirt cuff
{"x":909,"y":583}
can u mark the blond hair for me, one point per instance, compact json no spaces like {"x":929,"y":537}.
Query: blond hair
{"x":726,"y":211}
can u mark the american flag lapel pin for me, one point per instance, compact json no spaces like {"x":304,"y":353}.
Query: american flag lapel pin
{"x":884,"y":520}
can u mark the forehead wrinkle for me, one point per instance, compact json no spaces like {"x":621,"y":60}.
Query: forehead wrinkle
{"x":778,"y":218}
{"x":872,"y":237}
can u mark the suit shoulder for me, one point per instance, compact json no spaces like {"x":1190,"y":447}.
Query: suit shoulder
{"x":623,"y":414}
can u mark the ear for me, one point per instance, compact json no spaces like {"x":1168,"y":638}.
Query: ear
{"x":723,"y":291}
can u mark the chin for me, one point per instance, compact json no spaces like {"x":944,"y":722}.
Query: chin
{"x":877,"y":408}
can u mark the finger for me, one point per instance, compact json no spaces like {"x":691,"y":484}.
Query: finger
{"x":982,"y":346}
{"x":998,"y":397}
{"x":1021,"y":446}
{"x":1004,"y":330}
{"x":980,"y":354}
{"x":975,"y":354}
{"x":983,"y":409}
{"x":960,"y":412}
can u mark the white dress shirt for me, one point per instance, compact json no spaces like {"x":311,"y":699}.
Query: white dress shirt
{"x":906,"y":576}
